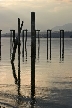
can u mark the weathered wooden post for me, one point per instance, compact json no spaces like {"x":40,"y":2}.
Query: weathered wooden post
{"x":18,"y":56}
{"x":47,"y":44}
{"x":23,"y":45}
{"x":50,"y":44}
{"x":62,"y":33}
{"x":10,"y":43}
{"x":60,"y":44}
{"x":13,"y":36}
{"x":26,"y":35}
{"x":33,"y":45}
{"x":63,"y":44}
{"x":38,"y":38}
{"x":26,"y":38}
{"x":38,"y":43}
{"x":0,"y":44}
{"x":19,"y":31}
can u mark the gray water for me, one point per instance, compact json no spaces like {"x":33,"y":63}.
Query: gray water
{"x":53,"y":77}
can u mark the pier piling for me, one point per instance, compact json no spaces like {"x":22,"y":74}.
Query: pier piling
{"x":62,"y":50}
{"x":47,"y":44}
{"x":18,"y":56}
{"x":49,"y":31}
{"x":60,"y":44}
{"x":23,"y":45}
{"x":33,"y":45}
{"x":63,"y":44}
{"x":50,"y":44}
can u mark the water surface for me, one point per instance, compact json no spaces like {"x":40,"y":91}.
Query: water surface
{"x":53,"y":77}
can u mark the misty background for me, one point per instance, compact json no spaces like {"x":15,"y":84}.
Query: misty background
{"x":50,"y":14}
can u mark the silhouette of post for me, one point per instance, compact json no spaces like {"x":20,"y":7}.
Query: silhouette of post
{"x":13,"y":36}
{"x":38,"y":38}
{"x":50,"y":44}
{"x":47,"y":44}
{"x":33,"y":45}
{"x":10,"y":43}
{"x":26,"y":35}
{"x":60,"y":44}
{"x":38,"y":42}
{"x":0,"y":44}
{"x":13,"y":45}
{"x":18,"y":56}
{"x":63,"y":44}
{"x":62,"y":33}
{"x":23,"y":45}
{"x":25,"y":38}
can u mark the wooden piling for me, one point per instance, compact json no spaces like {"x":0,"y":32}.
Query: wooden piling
{"x":25,"y":38}
{"x":35,"y":44}
{"x":63,"y":41}
{"x":38,"y":38}
{"x":23,"y":45}
{"x":60,"y":44}
{"x":0,"y":44}
{"x":63,"y":44}
{"x":47,"y":44}
{"x":38,"y":44}
{"x":10,"y":43}
{"x":50,"y":44}
{"x":33,"y":55}
{"x":13,"y":36}
{"x":18,"y":56}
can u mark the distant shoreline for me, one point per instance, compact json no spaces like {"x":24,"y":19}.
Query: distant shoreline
{"x":36,"y":37}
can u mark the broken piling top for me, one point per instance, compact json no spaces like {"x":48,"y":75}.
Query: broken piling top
{"x":0,"y":30}
{"x":49,"y":30}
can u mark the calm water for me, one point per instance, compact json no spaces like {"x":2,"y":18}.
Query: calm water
{"x":53,"y":78}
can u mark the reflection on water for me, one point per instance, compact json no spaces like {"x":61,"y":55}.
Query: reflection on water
{"x":53,"y":79}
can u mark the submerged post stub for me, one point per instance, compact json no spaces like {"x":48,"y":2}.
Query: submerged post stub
{"x":0,"y":44}
{"x":33,"y":45}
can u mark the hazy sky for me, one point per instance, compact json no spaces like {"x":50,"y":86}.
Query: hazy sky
{"x":49,"y":13}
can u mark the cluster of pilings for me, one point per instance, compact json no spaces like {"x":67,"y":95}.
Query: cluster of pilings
{"x":24,"y":43}
{"x":15,"y":41}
